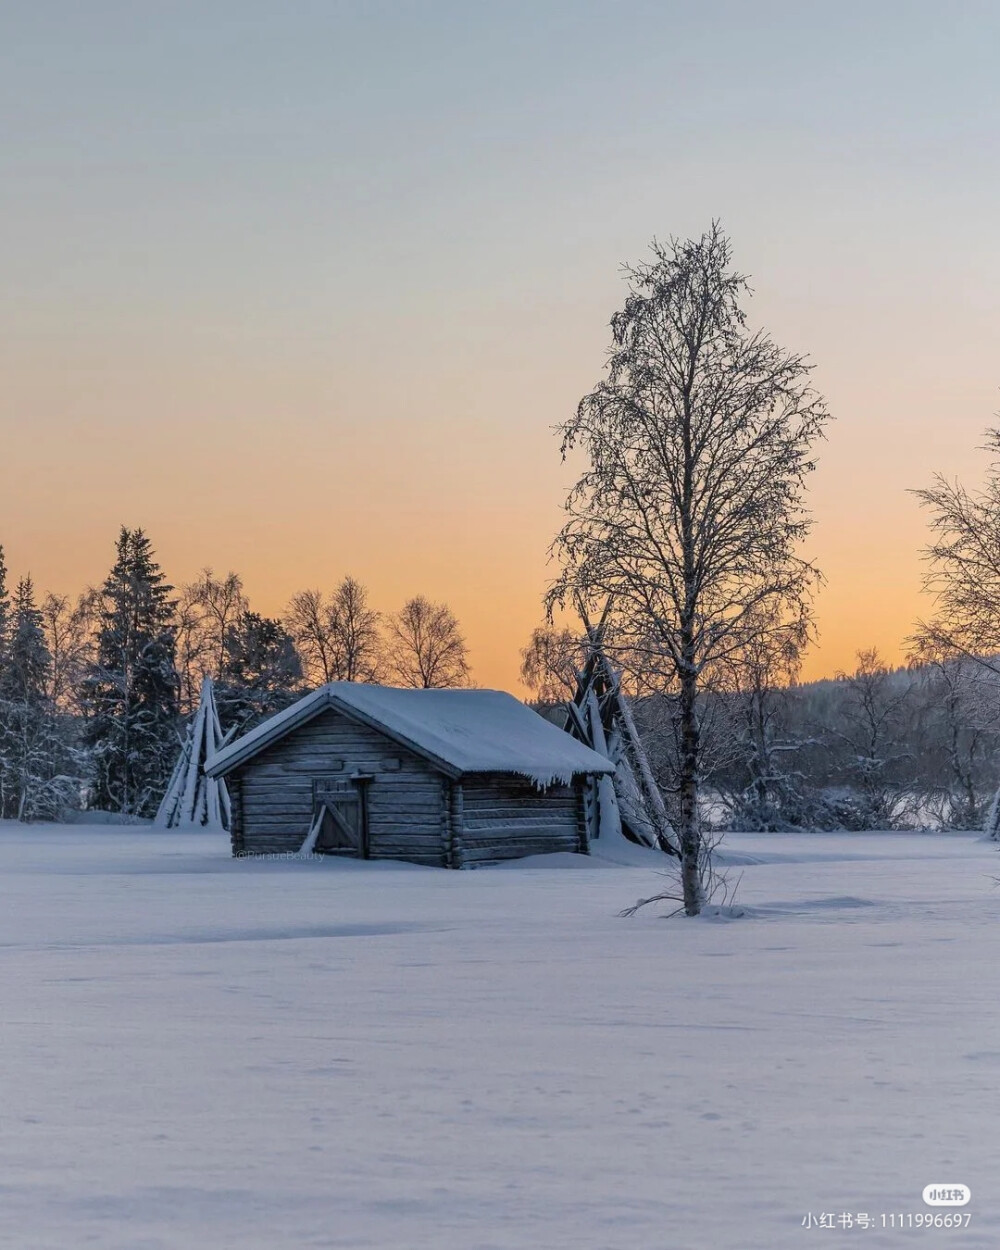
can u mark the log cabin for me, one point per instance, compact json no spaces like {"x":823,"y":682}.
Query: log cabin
{"x":452,"y":778}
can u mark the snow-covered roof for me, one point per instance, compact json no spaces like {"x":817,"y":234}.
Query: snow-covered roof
{"x":460,"y":731}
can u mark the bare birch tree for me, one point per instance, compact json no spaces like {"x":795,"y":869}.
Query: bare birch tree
{"x":870,"y":727}
{"x":690,"y":510}
{"x":956,"y":745}
{"x":426,"y":646}
{"x":222,"y":601}
{"x":551,"y":662}
{"x":307,"y":619}
{"x":357,"y":635}
{"x":339,"y":638}
{"x":963,"y":562}
{"x":755,"y":684}
{"x":206,"y":612}
{"x":963,"y":572}
{"x":70,"y":637}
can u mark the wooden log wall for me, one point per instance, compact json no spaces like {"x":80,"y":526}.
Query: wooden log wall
{"x":407,"y":812}
{"x":234,"y":783}
{"x":507,"y":817}
{"x":456,"y":855}
{"x":585,"y":787}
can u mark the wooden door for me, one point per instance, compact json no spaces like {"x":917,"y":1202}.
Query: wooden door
{"x":340,"y":806}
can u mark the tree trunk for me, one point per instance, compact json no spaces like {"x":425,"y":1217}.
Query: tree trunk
{"x":690,"y":832}
{"x":993,"y":819}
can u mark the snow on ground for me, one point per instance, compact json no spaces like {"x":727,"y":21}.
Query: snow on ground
{"x":201,"y":1052}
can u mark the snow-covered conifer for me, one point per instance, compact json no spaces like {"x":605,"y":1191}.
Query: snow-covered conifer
{"x":261,"y":672}
{"x":4,"y":605}
{"x":130,"y":691}
{"x":36,"y":759}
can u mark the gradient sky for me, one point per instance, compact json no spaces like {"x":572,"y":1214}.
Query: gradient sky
{"x":302,"y":288}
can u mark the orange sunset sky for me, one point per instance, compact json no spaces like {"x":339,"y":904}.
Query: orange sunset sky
{"x":302,"y":290}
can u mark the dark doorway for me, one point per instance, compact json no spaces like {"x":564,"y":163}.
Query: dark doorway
{"x":340,"y":807}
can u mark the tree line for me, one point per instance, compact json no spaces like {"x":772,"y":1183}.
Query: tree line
{"x":94,"y":692}
{"x":880,"y":747}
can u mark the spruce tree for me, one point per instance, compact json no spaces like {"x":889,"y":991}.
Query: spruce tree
{"x":4,"y":623}
{"x":33,"y":754}
{"x":4,"y":607}
{"x":261,"y":670}
{"x":130,"y":693}
{"x":26,"y":672}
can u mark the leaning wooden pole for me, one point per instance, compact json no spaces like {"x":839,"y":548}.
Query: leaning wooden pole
{"x":193,"y":799}
{"x":600,"y":715}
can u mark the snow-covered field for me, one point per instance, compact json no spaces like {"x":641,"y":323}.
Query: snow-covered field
{"x":198,"y":1052}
